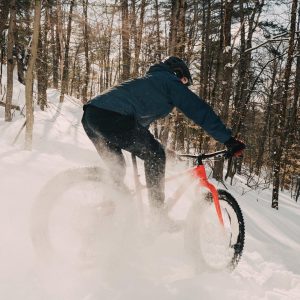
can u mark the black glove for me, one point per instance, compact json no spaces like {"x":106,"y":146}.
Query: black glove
{"x":234,"y":147}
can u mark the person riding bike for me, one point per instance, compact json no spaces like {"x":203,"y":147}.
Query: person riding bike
{"x":119,"y":118}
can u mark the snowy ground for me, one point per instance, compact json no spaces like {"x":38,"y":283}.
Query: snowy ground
{"x":269,"y":269}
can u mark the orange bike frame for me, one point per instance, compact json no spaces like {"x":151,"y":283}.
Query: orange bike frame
{"x":198,"y":172}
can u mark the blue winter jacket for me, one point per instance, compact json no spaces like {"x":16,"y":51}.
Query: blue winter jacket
{"x":154,"y":95}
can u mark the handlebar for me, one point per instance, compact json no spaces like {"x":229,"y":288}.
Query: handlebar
{"x":202,"y":156}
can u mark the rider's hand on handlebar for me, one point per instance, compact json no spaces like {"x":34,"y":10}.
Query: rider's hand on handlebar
{"x":235,"y":147}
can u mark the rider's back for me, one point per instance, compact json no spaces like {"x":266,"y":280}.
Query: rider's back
{"x":145,"y":97}
{"x":154,"y":95}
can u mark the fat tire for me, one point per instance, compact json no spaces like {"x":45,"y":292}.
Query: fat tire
{"x":239,"y":245}
{"x":192,"y":240}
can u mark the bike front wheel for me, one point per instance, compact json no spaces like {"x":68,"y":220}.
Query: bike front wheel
{"x":210,"y":244}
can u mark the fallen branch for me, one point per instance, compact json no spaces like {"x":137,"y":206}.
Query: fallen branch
{"x":16,"y":138}
{"x":16,"y":107}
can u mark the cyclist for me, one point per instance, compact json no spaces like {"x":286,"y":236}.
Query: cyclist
{"x":119,"y":119}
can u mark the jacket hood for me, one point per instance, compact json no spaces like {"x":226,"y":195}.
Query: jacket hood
{"x":160,"y":67}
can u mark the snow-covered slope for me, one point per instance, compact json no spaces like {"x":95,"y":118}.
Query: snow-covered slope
{"x":269,"y":269}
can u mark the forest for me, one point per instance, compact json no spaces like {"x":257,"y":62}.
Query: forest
{"x":244,"y":56}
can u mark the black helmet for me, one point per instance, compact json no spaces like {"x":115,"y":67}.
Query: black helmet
{"x":179,"y":67}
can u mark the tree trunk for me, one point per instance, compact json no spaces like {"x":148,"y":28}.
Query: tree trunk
{"x":29,"y":76}
{"x":158,"y":39}
{"x":227,"y":77}
{"x":65,"y":75}
{"x":106,"y":74}
{"x":215,"y":94}
{"x":292,"y":144}
{"x":138,"y":36}
{"x":172,"y":49}
{"x":59,"y":38}
{"x":42,"y":65}
{"x":227,"y":60}
{"x":177,"y":47}
{"x":4,"y":10}
{"x":2,"y":49}
{"x":54,"y":46}
{"x":10,"y":60}
{"x":202,"y":60}
{"x":280,"y":130}
{"x":242,"y":97}
{"x":267,"y":114}
{"x":86,"y":52}
{"x":19,"y":54}
{"x":173,"y":27}
{"x":74,"y":70}
{"x":205,"y":49}
{"x":125,"y":41}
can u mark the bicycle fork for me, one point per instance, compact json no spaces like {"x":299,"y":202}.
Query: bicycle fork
{"x":200,"y":172}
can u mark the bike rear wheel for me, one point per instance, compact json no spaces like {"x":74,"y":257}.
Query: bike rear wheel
{"x":210,"y":244}
{"x":74,"y":215}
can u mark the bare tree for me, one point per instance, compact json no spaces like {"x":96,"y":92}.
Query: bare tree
{"x":137,"y":34}
{"x":177,"y":40}
{"x":158,"y":35}
{"x":280,"y":130}
{"x":86,"y":51}
{"x":126,"y":57}
{"x":55,"y":46}
{"x":4,"y":10}
{"x":29,"y":75}
{"x":65,"y":72}
{"x":10,"y":60}
{"x":226,"y":74}
{"x":42,"y":61}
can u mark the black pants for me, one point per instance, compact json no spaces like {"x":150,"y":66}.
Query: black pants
{"x":110,"y":132}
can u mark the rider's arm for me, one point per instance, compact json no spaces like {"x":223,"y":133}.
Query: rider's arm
{"x":197,"y":110}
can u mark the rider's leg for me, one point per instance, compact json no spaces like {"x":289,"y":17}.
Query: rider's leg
{"x":123,"y":132}
{"x":146,"y":147}
{"x":112,"y":157}
{"x":110,"y":153}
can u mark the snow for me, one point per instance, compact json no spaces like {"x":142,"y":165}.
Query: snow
{"x":227,"y":49}
{"x":138,"y":267}
{"x":229,"y":65}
